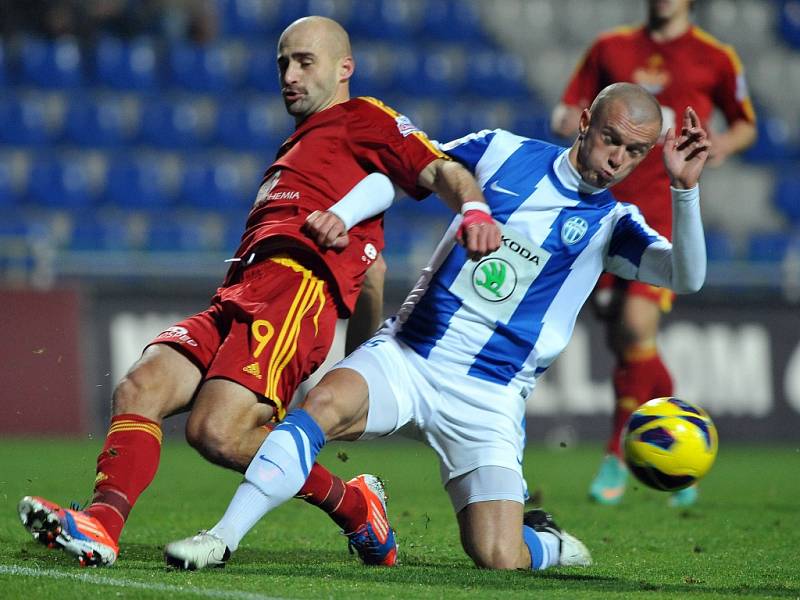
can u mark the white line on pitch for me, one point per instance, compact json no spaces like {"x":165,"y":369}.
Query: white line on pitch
{"x":130,"y":583}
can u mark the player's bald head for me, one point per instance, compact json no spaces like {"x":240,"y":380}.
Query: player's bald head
{"x":323,"y":34}
{"x":640,"y":106}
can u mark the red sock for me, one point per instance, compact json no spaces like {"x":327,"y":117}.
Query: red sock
{"x":344,"y":503}
{"x":125,"y":467}
{"x":640,"y":377}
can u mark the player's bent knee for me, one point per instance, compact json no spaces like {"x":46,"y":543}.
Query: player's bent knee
{"x":321,"y":403}
{"x":137,"y":393}
{"x":216,"y":440}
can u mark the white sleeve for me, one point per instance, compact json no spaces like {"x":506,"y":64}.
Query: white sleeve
{"x":370,"y":197}
{"x":681,"y":265}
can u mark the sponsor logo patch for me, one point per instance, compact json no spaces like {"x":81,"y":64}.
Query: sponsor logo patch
{"x":178,"y":334}
{"x":494,"y":279}
{"x":405,"y":126}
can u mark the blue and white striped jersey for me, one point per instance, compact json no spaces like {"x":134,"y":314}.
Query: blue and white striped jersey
{"x":505,"y":318}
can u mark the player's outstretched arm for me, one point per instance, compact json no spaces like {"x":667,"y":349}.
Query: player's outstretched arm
{"x":478,"y":233}
{"x":368,"y":198}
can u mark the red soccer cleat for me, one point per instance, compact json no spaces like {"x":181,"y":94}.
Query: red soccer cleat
{"x":74,"y":531}
{"x":374,"y":540}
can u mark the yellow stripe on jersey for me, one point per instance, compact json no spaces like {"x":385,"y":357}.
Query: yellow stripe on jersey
{"x":738,"y":69}
{"x":150,"y":428}
{"x":621,"y":30}
{"x":420,"y":135}
{"x":310,"y":292}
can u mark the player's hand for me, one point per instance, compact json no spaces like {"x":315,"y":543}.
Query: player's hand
{"x":478,"y":233}
{"x":685,"y":155}
{"x":326,"y":229}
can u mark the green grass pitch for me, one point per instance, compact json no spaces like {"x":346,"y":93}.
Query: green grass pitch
{"x":741,"y":540}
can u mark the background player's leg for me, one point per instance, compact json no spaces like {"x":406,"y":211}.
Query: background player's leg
{"x":639,"y":376}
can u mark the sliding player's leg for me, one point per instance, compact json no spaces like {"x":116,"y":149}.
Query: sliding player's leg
{"x":339,"y":408}
{"x":496,"y":534}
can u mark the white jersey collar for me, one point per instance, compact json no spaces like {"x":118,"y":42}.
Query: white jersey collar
{"x":569,"y":177}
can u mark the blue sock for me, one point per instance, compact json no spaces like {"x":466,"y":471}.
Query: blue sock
{"x":544,"y":548}
{"x":277,"y":472}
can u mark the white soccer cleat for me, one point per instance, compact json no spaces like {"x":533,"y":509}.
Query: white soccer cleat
{"x":197,"y":552}
{"x":572,"y":551}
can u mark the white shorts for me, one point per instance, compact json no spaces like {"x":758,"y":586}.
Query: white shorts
{"x":470,"y":423}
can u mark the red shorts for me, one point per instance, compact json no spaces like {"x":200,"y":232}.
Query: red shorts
{"x":267,"y":332}
{"x":661,"y":296}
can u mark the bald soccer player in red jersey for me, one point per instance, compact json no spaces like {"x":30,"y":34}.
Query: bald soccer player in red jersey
{"x":300,"y":265}
{"x":681,"y":65}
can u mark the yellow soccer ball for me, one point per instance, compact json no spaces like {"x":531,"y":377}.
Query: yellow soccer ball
{"x":670,"y":444}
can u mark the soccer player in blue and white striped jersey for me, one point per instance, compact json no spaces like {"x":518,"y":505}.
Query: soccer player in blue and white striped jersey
{"x":455,"y":365}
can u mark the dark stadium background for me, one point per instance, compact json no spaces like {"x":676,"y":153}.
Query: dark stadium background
{"x":133,"y":136}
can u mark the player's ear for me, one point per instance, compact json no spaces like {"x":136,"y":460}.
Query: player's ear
{"x":583,"y":123}
{"x":346,"y":68}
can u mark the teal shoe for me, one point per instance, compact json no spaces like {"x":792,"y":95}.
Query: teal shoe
{"x":685,"y":497}
{"x":609,"y":484}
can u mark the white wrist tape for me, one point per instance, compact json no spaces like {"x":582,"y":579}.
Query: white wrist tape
{"x":476,"y":205}
{"x":370,"y":196}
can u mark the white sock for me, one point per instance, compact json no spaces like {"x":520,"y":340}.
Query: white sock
{"x":247,"y":506}
{"x":276,"y":473}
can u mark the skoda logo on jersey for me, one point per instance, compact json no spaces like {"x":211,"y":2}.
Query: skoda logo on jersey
{"x":494,"y":279}
{"x":573,"y":230}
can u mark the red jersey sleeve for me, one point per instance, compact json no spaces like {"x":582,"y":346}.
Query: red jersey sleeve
{"x":383,"y":140}
{"x":585,"y":82}
{"x":730,"y":94}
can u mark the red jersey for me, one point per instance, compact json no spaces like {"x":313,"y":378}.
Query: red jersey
{"x":328,"y":154}
{"x":693,"y":70}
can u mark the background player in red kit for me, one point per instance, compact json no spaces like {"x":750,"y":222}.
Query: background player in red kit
{"x":681,"y":65}
{"x":272,"y":322}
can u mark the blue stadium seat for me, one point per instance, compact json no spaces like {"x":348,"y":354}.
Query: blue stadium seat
{"x":385,"y":20}
{"x":175,"y":236}
{"x":373,"y":75}
{"x":90,"y":234}
{"x":262,"y":72}
{"x":126,"y":65}
{"x":789,"y":22}
{"x":437,"y":72}
{"x":96,"y":122}
{"x":216,"y":185}
{"x":51,"y":64}
{"x":8,"y":192}
{"x":453,"y":20}
{"x":3,"y":67}
{"x":64,"y":183}
{"x":203,"y":68}
{"x":536,"y":125}
{"x":257,"y":18}
{"x":179,"y":124}
{"x":768,"y":246}
{"x":773,"y":143}
{"x":787,"y":198}
{"x":138,"y":184}
{"x":496,"y":75}
{"x":719,"y":246}
{"x":25,"y":121}
{"x":252,"y":125}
